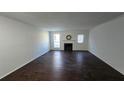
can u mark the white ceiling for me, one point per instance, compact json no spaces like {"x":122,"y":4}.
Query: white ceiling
{"x":59,"y":21}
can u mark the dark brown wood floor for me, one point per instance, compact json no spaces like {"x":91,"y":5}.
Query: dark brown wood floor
{"x":67,"y":66}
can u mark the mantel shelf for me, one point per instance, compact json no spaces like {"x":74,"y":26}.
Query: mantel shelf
{"x":68,"y":40}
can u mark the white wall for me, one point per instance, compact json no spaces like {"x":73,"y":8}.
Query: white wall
{"x":76,"y":46}
{"x":107,"y":42}
{"x":19,"y":44}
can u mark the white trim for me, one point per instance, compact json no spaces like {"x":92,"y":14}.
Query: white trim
{"x":23,"y":64}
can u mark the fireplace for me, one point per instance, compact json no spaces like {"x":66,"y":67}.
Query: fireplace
{"x":68,"y":46}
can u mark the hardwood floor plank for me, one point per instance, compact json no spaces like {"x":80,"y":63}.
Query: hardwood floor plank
{"x":66,"y":66}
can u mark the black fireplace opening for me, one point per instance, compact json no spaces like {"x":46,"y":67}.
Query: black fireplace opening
{"x":68,"y":46}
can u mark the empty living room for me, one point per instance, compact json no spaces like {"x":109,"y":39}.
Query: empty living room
{"x":61,"y":46}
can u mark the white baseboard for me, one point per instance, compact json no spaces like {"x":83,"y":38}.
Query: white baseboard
{"x":23,"y":65}
{"x":107,"y":62}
